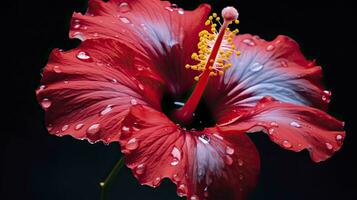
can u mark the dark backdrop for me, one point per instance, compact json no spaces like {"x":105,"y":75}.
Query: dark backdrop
{"x":36,"y":165}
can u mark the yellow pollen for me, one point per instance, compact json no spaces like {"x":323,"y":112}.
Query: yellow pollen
{"x":220,"y":62}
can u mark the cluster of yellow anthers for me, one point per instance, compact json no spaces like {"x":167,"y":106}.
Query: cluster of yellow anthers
{"x":205,"y":47}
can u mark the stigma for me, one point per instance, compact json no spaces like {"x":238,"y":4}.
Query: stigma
{"x":215,"y":47}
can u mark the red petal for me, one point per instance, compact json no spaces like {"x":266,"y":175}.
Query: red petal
{"x":277,"y":69}
{"x":293,"y":127}
{"x":154,"y":27}
{"x":88,"y":90}
{"x":201,"y":163}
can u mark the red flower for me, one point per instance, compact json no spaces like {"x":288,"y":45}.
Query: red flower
{"x":134,"y":53}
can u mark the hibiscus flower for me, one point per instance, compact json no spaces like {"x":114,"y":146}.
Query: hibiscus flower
{"x":179,"y":93}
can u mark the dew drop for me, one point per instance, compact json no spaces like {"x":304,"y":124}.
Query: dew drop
{"x":141,"y":86}
{"x":228,"y":160}
{"x":78,"y":127}
{"x":132,"y":144}
{"x":205,"y":192}
{"x":271,"y":131}
{"x":133,"y":102}
{"x":256,"y":67}
{"x":76,"y":26}
{"x":106,"y":110}
{"x":57,"y":69}
{"x":181,"y":11}
{"x":328,"y":93}
{"x":176,"y":154}
{"x":325,"y":99}
{"x":240,"y":162}
{"x":125,"y":129}
{"x":46,"y":103}
{"x":339,"y":137}
{"x":124,"y":20}
{"x":78,"y":35}
{"x":83,"y":56}
{"x":204,"y":138}
{"x":181,"y":190}
{"x":329,"y":146}
{"x":229,"y":150}
{"x":249,"y":42}
{"x":140,"y":169}
{"x":295,"y":124}
{"x":65,"y":127}
{"x":169,"y":8}
{"x":194,"y":197}
{"x":124,"y":7}
{"x":93,"y":129}
{"x":270,"y":47}
{"x":283,"y":63}
{"x":156,"y":181}
{"x":114,"y":80}
{"x":176,"y":178}
{"x":49,"y":127}
{"x":287,"y":144}
{"x":274,"y":124}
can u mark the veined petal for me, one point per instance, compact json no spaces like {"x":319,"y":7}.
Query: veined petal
{"x":293,"y":127}
{"x":203,"y":164}
{"x":159,"y":29}
{"x":87,"y":91}
{"x":277,"y":69}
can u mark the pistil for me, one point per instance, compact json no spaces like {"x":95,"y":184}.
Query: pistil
{"x":215,"y":50}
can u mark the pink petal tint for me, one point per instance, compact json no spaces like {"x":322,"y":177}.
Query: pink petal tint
{"x":111,"y":88}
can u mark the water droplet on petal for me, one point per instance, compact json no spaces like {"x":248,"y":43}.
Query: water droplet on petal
{"x":240,"y":162}
{"x":256,"y":67}
{"x":49,"y":127}
{"x":283,"y":63}
{"x":133,"y":102}
{"x":176,"y":154}
{"x":93,"y":129}
{"x":125,"y":20}
{"x":156,"y":181}
{"x":181,"y":190}
{"x":140,"y":169}
{"x":295,"y":124}
{"x":46,"y":103}
{"x":228,"y":160}
{"x":181,"y":11}
{"x":229,"y":150}
{"x":65,"y":127}
{"x":76,"y":26}
{"x":78,"y":35}
{"x":339,"y":137}
{"x":106,"y":110}
{"x":194,"y":197}
{"x":325,"y":98}
{"x":176,"y":178}
{"x":217,"y":136}
{"x":57,"y":69}
{"x":125,"y":129}
{"x":328,"y":93}
{"x":271,"y":131}
{"x":205,"y":192}
{"x":204,"y":138}
{"x":274,"y":124}
{"x":124,"y":7}
{"x":169,"y":8}
{"x":287,"y":144}
{"x":84,"y":56}
{"x":132,"y":144}
{"x":114,"y":80}
{"x":141,"y":86}
{"x":270,"y":47}
{"x":249,"y":42}
{"x":78,"y":127}
{"x":329,"y":146}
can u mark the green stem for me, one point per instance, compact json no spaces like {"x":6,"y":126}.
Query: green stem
{"x":106,"y":183}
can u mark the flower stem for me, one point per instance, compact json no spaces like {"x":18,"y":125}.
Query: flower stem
{"x":106,"y":183}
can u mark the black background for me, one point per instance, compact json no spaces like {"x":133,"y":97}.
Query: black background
{"x":36,"y":165}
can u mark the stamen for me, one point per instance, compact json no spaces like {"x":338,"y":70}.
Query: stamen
{"x":213,"y":57}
